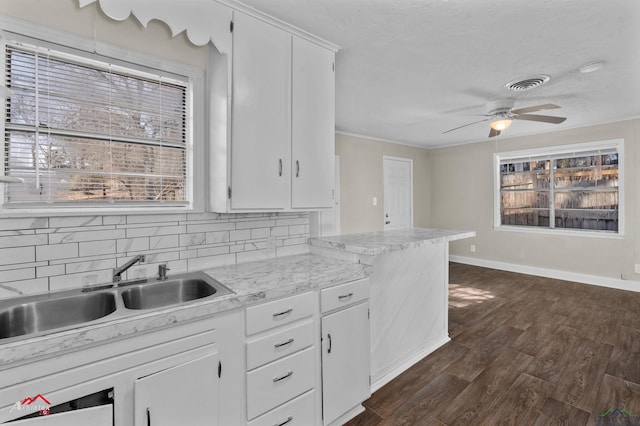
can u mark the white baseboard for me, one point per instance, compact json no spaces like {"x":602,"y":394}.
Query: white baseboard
{"x":616,"y":283}
{"x":379,"y":382}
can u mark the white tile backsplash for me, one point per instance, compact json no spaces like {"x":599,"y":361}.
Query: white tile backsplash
{"x":48,"y":254}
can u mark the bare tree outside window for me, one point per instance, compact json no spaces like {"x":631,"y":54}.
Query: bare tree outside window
{"x":81,"y":132}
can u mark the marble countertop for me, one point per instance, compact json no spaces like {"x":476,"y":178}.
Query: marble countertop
{"x":376,"y":243}
{"x":251,"y":282}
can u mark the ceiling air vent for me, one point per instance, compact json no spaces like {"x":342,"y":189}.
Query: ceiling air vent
{"x":527,"y":83}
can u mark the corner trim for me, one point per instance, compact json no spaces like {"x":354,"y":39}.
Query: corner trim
{"x":616,"y":283}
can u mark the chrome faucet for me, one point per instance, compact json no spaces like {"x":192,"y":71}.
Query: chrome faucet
{"x":117,"y":272}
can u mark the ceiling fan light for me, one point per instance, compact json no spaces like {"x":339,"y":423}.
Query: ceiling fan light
{"x":500,"y":124}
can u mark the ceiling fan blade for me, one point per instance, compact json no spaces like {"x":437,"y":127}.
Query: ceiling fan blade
{"x":493,"y":132}
{"x":534,"y":108}
{"x":542,"y":118}
{"x":456,"y":128}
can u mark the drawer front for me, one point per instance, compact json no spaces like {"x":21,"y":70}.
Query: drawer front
{"x":283,"y":311}
{"x":280,"y":381}
{"x":263,"y":350}
{"x":298,"y":412}
{"x":344,"y":295}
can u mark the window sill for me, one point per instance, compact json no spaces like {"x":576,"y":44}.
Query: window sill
{"x":95,"y":211}
{"x":560,"y":232}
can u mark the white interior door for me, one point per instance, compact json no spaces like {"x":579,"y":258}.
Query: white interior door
{"x":398,"y":192}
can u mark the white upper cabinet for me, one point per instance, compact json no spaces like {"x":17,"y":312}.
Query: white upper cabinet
{"x":272,"y":119}
{"x":260,"y":115}
{"x":313,"y":125}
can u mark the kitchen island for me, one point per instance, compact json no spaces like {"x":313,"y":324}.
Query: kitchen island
{"x":408,"y":295}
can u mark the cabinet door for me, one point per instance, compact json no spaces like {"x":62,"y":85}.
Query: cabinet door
{"x":261,"y":115}
{"x":313,"y":125}
{"x":96,"y":416}
{"x":345,"y":361}
{"x":183,"y":395}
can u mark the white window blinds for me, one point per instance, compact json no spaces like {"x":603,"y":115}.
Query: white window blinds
{"x":80,"y":131}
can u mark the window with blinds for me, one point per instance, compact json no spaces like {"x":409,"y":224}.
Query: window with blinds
{"x":570,"y":188}
{"x":83,"y":132}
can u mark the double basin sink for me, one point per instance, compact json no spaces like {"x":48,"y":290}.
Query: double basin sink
{"x":56,"y":311}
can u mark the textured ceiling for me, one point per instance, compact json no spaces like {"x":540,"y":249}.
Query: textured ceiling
{"x":412,"y":69}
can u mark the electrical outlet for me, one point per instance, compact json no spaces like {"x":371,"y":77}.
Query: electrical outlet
{"x":637,"y":268}
{"x":473,"y":248}
{"x":375,"y":201}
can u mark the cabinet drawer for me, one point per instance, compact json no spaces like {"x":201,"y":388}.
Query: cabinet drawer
{"x":344,"y":295}
{"x":272,"y":314}
{"x":280,"y":381}
{"x":297,"y":412}
{"x":276,"y":345}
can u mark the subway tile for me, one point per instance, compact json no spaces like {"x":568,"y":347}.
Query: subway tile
{"x":12,"y":224}
{"x":17,"y":232}
{"x":260,"y":233}
{"x":86,"y":235}
{"x":49,"y":271}
{"x":86,"y":266}
{"x":255,"y":224}
{"x":154,"y":218}
{"x":155,"y":231}
{"x":292,"y":221}
{"x":132,"y":244}
{"x":23,"y":240}
{"x":297,"y":229}
{"x":196,"y":239}
{"x":164,"y":241}
{"x":72,"y":221}
{"x":14,"y":255}
{"x":244,"y":234}
{"x":188,"y":254}
{"x":214,"y":251}
{"x":17,"y":274}
{"x":210,"y":227}
{"x":57,"y":251}
{"x":255,"y":245}
{"x":294,"y":241}
{"x":279,"y":231}
{"x":114,"y":220}
{"x":93,"y":248}
{"x":204,"y":216}
{"x":207,"y":262}
{"x":217,"y":237}
{"x":236,"y":248}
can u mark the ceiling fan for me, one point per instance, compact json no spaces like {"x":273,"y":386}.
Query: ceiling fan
{"x":502,"y":114}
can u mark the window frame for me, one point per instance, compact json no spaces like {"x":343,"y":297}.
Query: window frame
{"x":617,"y":144}
{"x":14,"y":29}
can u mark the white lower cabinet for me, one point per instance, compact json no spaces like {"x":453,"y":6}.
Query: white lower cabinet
{"x":95,"y":416}
{"x":282,"y":361}
{"x":179,"y":395}
{"x":300,"y":411}
{"x":345,"y":350}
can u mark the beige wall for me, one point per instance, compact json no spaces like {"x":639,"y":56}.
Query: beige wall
{"x":361,"y":180}
{"x":462,"y":198}
{"x":91,"y":23}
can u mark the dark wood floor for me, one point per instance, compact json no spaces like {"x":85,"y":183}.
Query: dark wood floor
{"x":524,"y":351}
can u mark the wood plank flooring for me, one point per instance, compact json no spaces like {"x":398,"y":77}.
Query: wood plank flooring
{"x":525,"y":350}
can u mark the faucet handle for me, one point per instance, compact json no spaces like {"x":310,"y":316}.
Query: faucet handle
{"x":162,"y":271}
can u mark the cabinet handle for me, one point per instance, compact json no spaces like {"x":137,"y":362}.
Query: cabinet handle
{"x":288,"y":342}
{"x":345,"y":296}
{"x":148,"y":417}
{"x":285,"y":422}
{"x":277,"y":379}
{"x":280,"y":167}
{"x":288,"y":311}
{"x":297,"y":168}
{"x":329,"y":337}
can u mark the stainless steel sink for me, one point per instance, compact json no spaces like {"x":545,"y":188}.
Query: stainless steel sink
{"x":180,"y":289}
{"x":52,"y":313}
